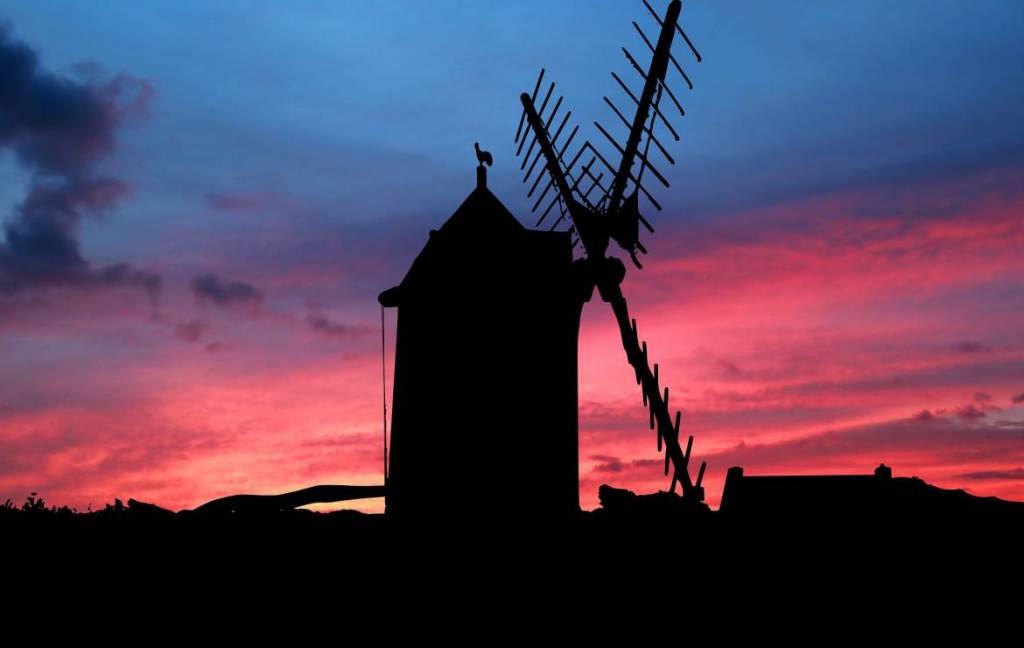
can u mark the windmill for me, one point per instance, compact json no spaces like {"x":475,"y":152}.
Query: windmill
{"x":599,"y":202}
{"x":485,"y":398}
{"x":502,"y":435}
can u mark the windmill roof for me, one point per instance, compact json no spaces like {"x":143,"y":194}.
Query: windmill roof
{"x":481,"y":211}
{"x":482,"y":229}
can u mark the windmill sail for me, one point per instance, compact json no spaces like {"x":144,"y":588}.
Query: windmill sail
{"x":601,"y":200}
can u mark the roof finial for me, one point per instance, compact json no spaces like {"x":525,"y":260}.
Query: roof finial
{"x":483,"y":157}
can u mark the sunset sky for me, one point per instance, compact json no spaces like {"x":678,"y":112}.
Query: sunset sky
{"x":201,"y":202}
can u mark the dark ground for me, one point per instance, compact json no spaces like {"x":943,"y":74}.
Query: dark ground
{"x":916,"y":526}
{"x":638,"y":566}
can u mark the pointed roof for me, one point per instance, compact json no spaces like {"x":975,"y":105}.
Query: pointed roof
{"x":481,"y":213}
{"x":480,"y":223}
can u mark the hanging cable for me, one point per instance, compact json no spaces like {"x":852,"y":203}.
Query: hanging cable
{"x":384,"y":390}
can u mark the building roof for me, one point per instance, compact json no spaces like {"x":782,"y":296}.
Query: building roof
{"x":481,"y":230}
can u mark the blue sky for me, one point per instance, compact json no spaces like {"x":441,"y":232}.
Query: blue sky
{"x":369,"y":98}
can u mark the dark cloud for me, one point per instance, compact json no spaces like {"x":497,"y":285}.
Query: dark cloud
{"x":730,"y":368}
{"x":995,"y":475}
{"x":971,"y":347}
{"x":191,"y":331}
{"x":211,"y":288}
{"x":982,"y":397}
{"x":607,"y":464}
{"x":614,"y":465}
{"x":924,"y":415}
{"x":216,"y":347}
{"x":968,"y":413}
{"x":239,"y":202}
{"x":333,"y":329}
{"x":59,"y":128}
{"x":1019,"y":398}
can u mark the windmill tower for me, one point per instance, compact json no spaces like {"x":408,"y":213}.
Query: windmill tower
{"x":485,"y":414}
{"x":485,"y":394}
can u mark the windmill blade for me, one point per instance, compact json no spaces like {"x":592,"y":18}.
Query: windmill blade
{"x":519,"y":130}
{"x":561,"y":217}
{"x":668,"y":430}
{"x":522,"y":143}
{"x":630,"y":176}
{"x":558,"y":196}
{"x":671,"y":58}
{"x":556,"y":201}
{"x":596,"y":183}
{"x":636,"y":101}
{"x":689,"y":43}
{"x":614,"y":212}
{"x":650,"y":130}
{"x":529,"y":151}
{"x":554,"y":141}
{"x":592,"y":233}
{"x":610,"y":139}
{"x":541,"y":199}
{"x":583,"y":173}
{"x":547,"y":126}
{"x":547,"y":97}
{"x":624,"y":224}
{"x":650,"y":228}
{"x":536,"y":133}
{"x":547,"y":153}
{"x":554,"y":111}
{"x":643,"y":75}
{"x":561,"y":127}
{"x":522,"y":117}
{"x":568,"y":142}
{"x":561,"y":155}
{"x":533,"y":165}
{"x":540,"y":176}
{"x":642,"y":156}
{"x":568,"y":171}
{"x":654,"y":76}
{"x":679,"y":29}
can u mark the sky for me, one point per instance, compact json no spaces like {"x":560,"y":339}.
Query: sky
{"x":201,"y":201}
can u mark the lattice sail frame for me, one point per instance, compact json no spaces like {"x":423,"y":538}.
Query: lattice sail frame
{"x":593,"y":182}
{"x":602,"y":203}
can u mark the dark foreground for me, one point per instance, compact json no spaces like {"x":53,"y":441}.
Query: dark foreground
{"x":927,"y":561}
{"x":915,"y":523}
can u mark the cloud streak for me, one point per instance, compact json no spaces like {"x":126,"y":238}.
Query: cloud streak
{"x":210,"y":288}
{"x":237,"y":202}
{"x":333,"y":329}
{"x":995,"y":475}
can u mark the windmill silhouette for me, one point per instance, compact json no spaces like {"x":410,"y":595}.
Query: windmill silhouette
{"x":484,"y":416}
{"x":612,"y":213}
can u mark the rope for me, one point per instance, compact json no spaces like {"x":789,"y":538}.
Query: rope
{"x":384,"y":390}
